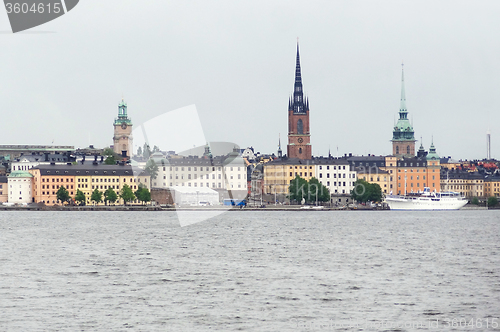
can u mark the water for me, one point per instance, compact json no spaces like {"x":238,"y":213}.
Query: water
{"x":250,"y":271}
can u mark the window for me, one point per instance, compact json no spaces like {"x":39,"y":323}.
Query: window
{"x":397,"y":149}
{"x":300,"y":150}
{"x":300,"y":127}
{"x":408,"y":149}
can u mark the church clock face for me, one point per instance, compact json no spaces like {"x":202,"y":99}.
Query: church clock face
{"x":124,"y":125}
{"x":300,"y":140}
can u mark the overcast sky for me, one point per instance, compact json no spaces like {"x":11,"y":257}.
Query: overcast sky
{"x":61,"y":82}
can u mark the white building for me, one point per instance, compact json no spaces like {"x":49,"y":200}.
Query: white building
{"x":218,"y":173}
{"x":336,"y":174}
{"x":20,"y":185}
{"x":27,"y":162}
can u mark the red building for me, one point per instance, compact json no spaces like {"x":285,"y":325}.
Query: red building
{"x":299,"y":135}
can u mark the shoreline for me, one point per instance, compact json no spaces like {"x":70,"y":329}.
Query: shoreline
{"x":293,"y":208}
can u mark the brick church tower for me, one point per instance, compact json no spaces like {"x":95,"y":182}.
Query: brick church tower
{"x":299,"y":136}
{"x":122,"y":139}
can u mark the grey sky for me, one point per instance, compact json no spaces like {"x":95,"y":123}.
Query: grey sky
{"x":235,"y":61}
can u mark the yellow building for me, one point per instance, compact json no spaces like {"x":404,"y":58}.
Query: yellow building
{"x":466,"y":183}
{"x":492,"y":187}
{"x":279,"y":173}
{"x":4,"y":193}
{"x":376,"y":176}
{"x":48,"y":179}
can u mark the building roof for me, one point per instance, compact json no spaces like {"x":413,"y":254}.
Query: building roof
{"x":370,"y":170}
{"x":20,"y":174}
{"x":95,"y":170}
{"x":312,"y":162}
{"x":3,"y":179}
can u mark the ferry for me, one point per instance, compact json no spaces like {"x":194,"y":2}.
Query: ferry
{"x":426,"y":200}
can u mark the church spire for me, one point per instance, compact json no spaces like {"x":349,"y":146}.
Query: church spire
{"x":298,"y":103}
{"x":402,"y":108}
{"x":280,"y":153}
{"x":298,"y":78}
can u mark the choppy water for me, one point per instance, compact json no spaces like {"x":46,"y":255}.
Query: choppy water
{"x":249,"y":271}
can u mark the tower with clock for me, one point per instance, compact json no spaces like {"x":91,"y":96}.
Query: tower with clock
{"x":299,"y":136}
{"x":122,"y":139}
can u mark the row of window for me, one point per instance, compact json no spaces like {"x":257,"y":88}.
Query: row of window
{"x":207,"y":169}
{"x":207,"y":176}
{"x":341,"y":175}
{"x":333,"y":167}
{"x":418,"y":185}
{"x":53,"y":193}
{"x":57,"y":187}
{"x":57,"y":180}
{"x":418,"y":177}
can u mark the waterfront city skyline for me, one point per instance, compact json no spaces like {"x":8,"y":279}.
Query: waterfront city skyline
{"x":236,"y":63}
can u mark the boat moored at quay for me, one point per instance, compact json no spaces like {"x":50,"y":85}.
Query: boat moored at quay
{"x":427,"y":201}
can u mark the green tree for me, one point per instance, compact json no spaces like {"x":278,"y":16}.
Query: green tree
{"x":96,"y":196}
{"x":110,"y":196}
{"x":152,"y":168}
{"x":110,"y":160}
{"x":126,"y":194}
{"x":143,"y":194}
{"x":156,"y":149}
{"x":146,"y":151}
{"x":80,"y":197}
{"x":364,"y":191}
{"x":475,"y":201}
{"x":62,"y":194}
{"x":111,"y":156}
{"x":316,"y":188}
{"x":108,"y":152}
{"x":297,"y":189}
{"x":492,"y":201}
{"x":139,"y":151}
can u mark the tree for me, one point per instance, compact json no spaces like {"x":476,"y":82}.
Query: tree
{"x":146,"y":151}
{"x":152,"y":168}
{"x":139,"y":151}
{"x":96,"y":196}
{"x":316,"y":188}
{"x":364,"y":191}
{"x":156,"y":149}
{"x":62,"y":194}
{"x":143,"y":194}
{"x":111,"y":156}
{"x":126,"y":194}
{"x":110,"y":160}
{"x":492,"y":201}
{"x":108,"y":152}
{"x":110,"y":196}
{"x":475,"y":201}
{"x":80,"y":197}
{"x":297,"y":189}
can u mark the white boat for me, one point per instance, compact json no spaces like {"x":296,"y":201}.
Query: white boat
{"x":427,"y":201}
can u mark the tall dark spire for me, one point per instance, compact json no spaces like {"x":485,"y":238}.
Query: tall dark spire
{"x":298,"y":78}
{"x":298,"y":104}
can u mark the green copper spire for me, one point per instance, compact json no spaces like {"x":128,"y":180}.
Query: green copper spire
{"x":403,"y":130}
{"x":432,"y":152}
{"x":402,"y":108}
{"x":122,"y":114}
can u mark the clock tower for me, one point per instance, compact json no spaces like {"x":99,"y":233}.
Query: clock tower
{"x":122,"y":140}
{"x":299,"y":136}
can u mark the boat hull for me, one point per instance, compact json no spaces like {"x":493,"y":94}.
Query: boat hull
{"x":427,"y":203}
